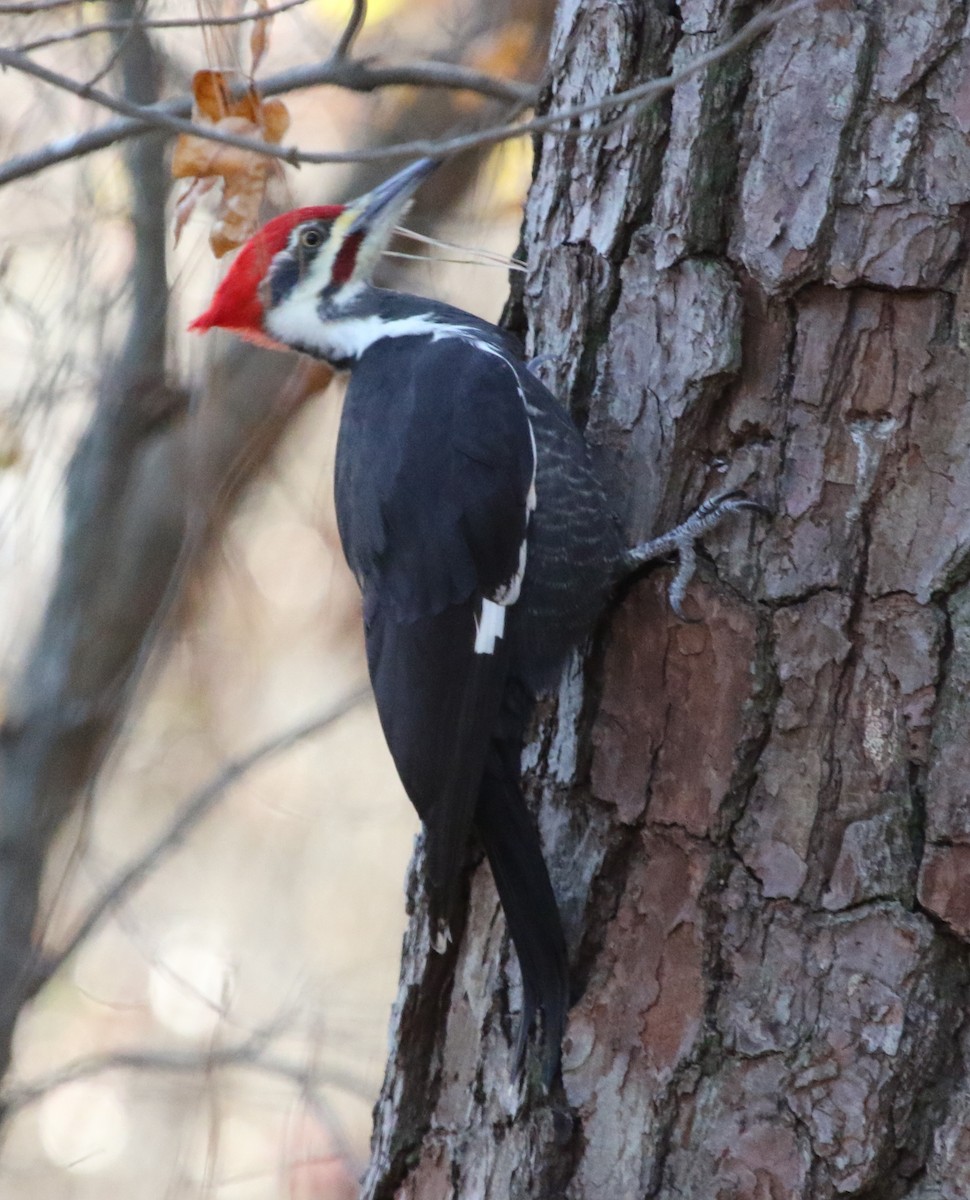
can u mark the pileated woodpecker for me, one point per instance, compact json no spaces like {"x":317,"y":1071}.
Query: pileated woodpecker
{"x":479,"y":534}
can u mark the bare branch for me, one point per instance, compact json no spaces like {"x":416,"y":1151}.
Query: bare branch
{"x":147,"y":491}
{"x":353,"y":28}
{"x":352,"y":75}
{"x":35,"y":7}
{"x":73,"y":35}
{"x":249,"y":1054}
{"x":158,"y":119}
{"x":150,"y":486}
{"x":196,"y":808}
{"x":143,"y":354}
{"x":62,"y":716}
{"x":633,"y":99}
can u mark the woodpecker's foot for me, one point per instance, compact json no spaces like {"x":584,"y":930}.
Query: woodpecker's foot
{"x":682,"y":540}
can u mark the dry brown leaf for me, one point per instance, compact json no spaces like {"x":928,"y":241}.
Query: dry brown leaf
{"x":259,"y":38}
{"x":196,"y":156}
{"x":238,"y":214}
{"x":194,"y":190}
{"x":275,"y":120}
{"x":244,"y":173}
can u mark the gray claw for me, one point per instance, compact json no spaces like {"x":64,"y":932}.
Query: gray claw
{"x":683,"y":539}
{"x":538,"y":361}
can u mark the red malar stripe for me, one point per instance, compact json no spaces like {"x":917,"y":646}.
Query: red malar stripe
{"x":343,"y":266}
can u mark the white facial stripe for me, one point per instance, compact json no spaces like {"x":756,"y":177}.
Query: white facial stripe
{"x":369,"y":249}
{"x":296,"y":323}
{"x":378,"y":236}
{"x":321,"y":268}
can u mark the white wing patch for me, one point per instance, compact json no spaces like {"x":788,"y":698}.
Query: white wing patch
{"x":489,"y":627}
{"x":491,"y":624}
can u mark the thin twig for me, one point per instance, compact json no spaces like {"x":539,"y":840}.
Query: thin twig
{"x":192,"y":812}
{"x":73,"y":687}
{"x":352,"y":75}
{"x":356,"y":23}
{"x":37,"y":6}
{"x":83,"y":31}
{"x":158,"y":118}
{"x":131,"y":28}
{"x":632,"y":100}
{"x":249,"y":1054}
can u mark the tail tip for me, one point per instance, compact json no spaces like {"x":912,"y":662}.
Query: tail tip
{"x":549,"y":1029}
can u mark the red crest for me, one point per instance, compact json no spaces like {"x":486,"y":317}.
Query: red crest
{"x":236,"y":304}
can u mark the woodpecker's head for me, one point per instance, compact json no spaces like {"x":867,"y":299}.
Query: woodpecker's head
{"x":295,"y":281}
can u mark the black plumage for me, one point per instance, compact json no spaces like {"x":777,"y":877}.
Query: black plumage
{"x":443,"y":436}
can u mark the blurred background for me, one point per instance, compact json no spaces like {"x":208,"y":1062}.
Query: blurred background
{"x":272,"y":936}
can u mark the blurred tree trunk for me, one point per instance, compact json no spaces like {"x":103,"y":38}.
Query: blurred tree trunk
{"x":148,"y":490}
{"x":757,"y":825}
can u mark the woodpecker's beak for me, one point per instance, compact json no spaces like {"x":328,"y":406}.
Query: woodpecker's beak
{"x":380,"y":208}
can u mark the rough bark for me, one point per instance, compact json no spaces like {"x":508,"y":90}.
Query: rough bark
{"x":757,"y":825}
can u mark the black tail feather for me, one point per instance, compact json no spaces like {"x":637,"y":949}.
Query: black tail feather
{"x":515,"y":855}
{"x":439,"y":703}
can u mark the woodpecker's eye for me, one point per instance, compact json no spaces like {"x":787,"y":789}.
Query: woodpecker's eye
{"x":310,"y":239}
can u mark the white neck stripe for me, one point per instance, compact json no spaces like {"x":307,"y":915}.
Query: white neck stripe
{"x":348,"y":337}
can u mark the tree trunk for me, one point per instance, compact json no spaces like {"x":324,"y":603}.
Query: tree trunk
{"x":756,"y":825}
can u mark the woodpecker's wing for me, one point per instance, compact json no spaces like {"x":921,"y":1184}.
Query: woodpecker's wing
{"x":435,"y":472}
{"x":434,"y":469}
{"x":437,"y":700}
